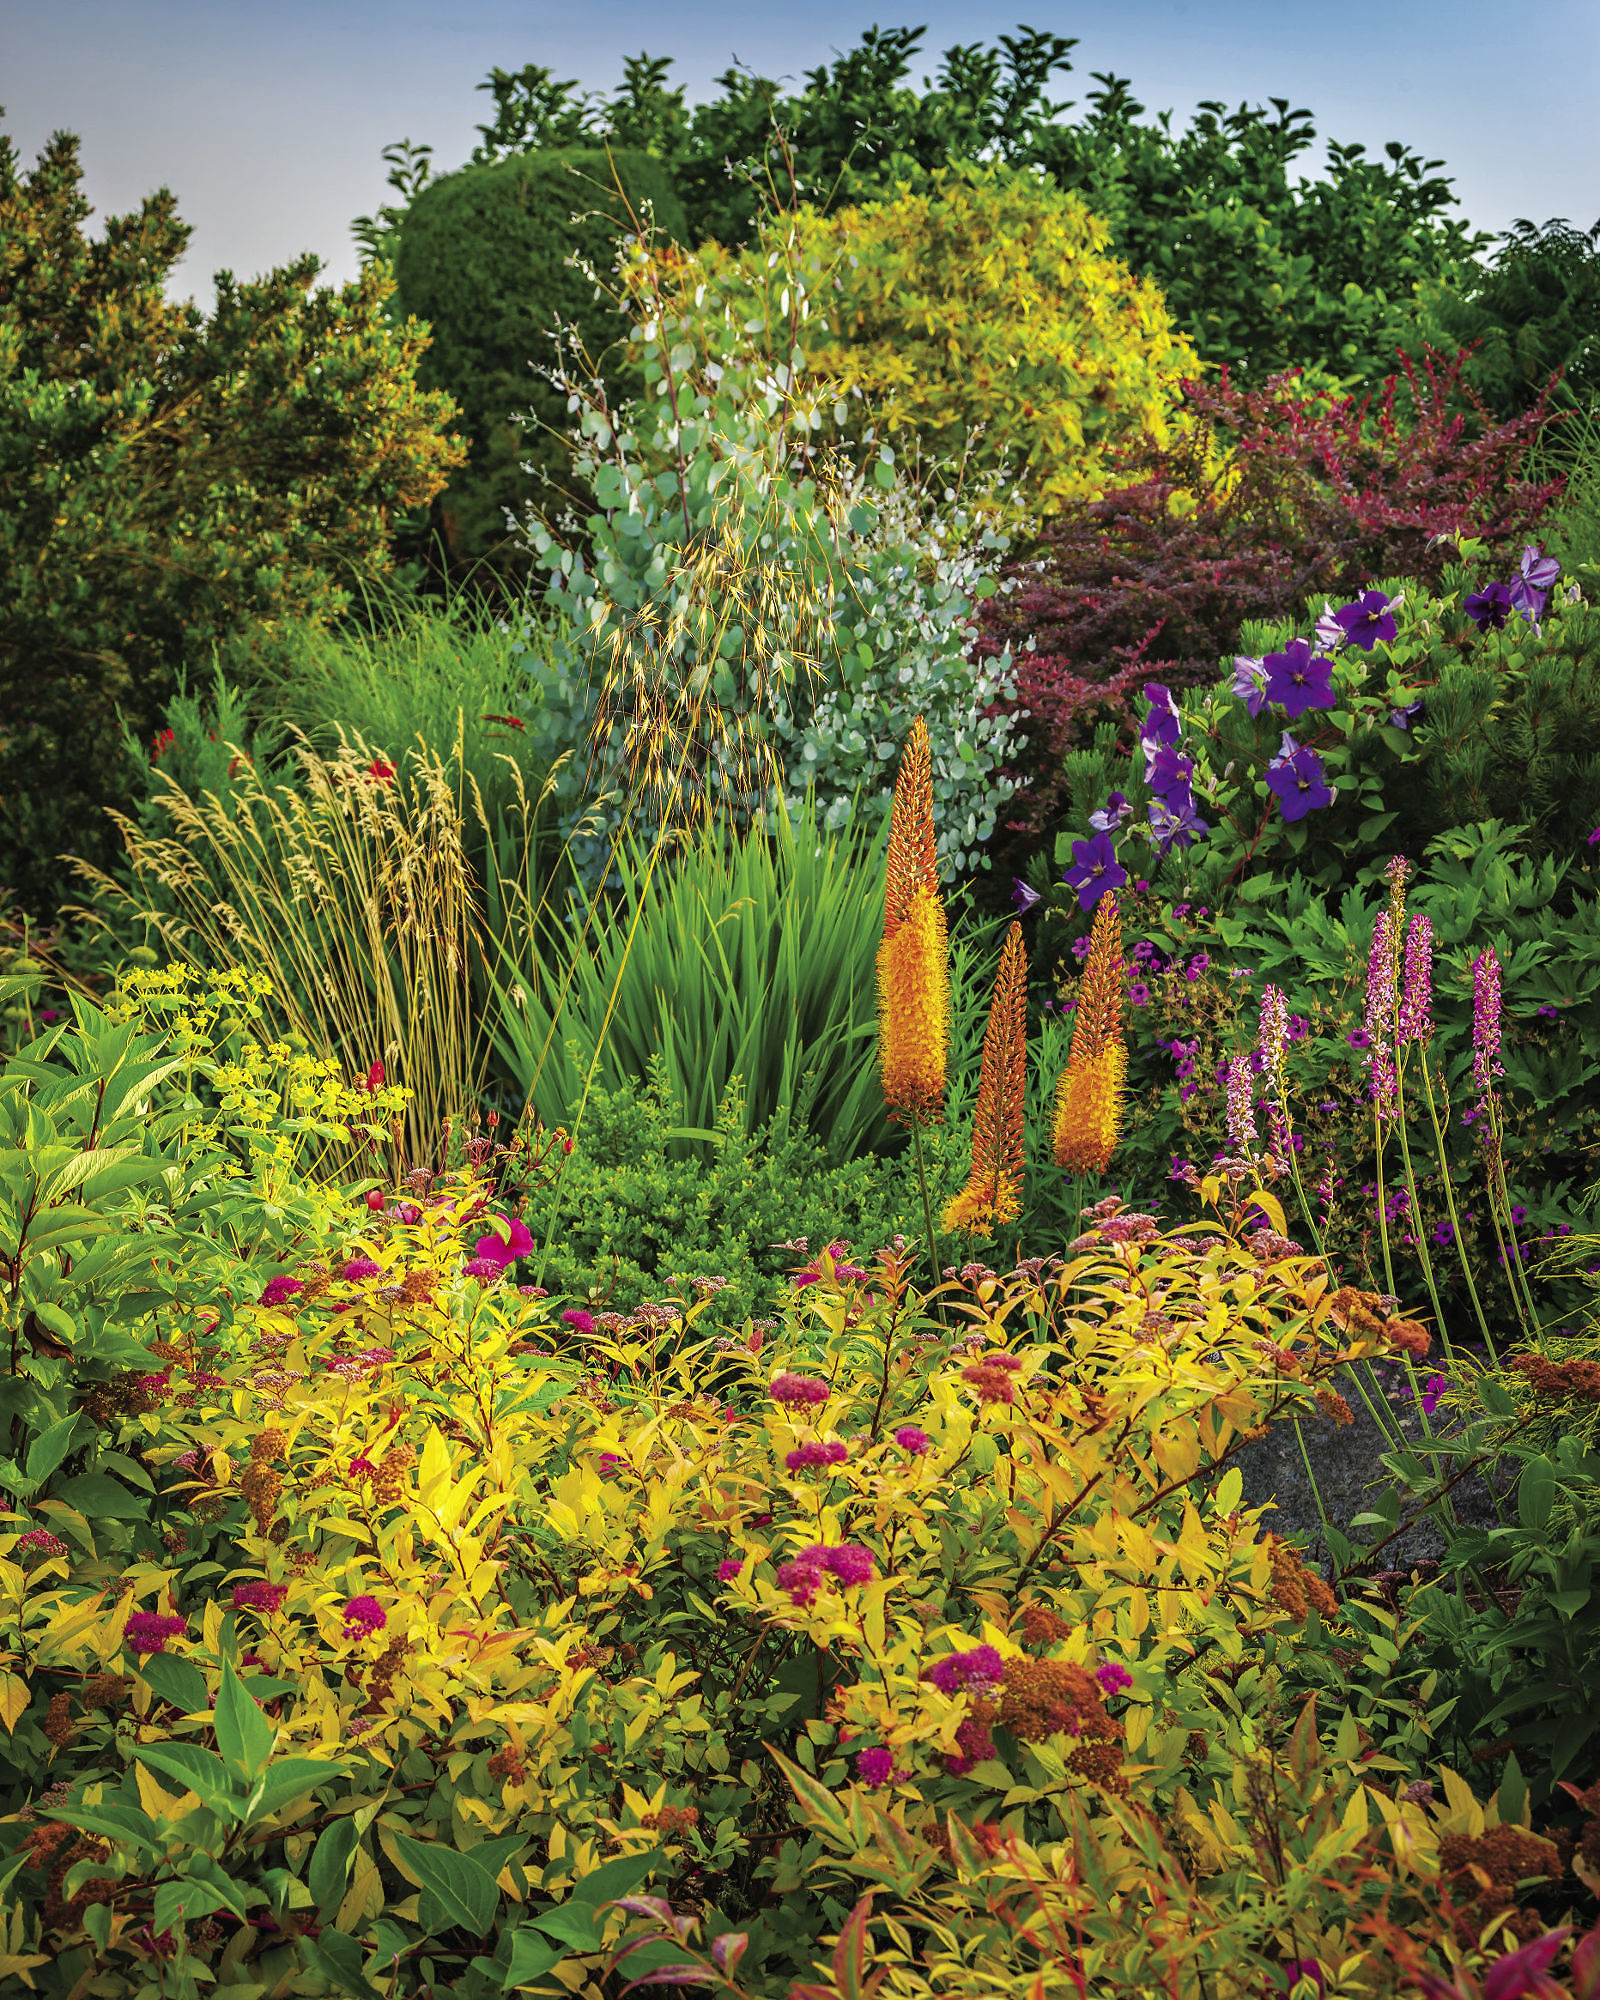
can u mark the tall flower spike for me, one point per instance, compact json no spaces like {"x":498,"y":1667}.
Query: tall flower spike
{"x":913,"y":959}
{"x":993,"y":1193}
{"x":1089,"y":1095}
{"x":1382,"y":1000}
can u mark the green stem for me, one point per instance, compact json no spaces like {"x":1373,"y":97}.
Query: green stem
{"x":1316,"y":1491}
{"x":1455,"y":1218}
{"x":1416,"y":1212}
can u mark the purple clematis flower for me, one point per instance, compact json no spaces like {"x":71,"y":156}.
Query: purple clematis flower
{"x":1366,"y":621}
{"x":1175,"y":823}
{"x":1023,"y":896}
{"x":1250,"y":683}
{"x":1295,"y":776}
{"x":1163,"y":724}
{"x":1298,"y":679}
{"x":1328,"y":631}
{"x":1169,"y":774}
{"x":1402,"y":718}
{"x":1530,"y":587}
{"x":1489,"y":608}
{"x":1111,"y":815}
{"x":1095,"y":869}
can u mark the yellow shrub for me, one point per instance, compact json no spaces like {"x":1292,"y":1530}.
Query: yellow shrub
{"x":992,"y":300}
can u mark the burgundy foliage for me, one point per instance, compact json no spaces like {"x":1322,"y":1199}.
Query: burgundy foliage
{"x":1328,"y":494}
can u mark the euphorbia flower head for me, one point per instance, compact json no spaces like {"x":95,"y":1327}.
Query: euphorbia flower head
{"x":1089,"y":1095}
{"x":993,"y":1193}
{"x":913,"y":958}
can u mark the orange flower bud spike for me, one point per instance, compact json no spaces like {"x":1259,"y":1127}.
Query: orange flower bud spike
{"x":913,"y":959}
{"x":913,"y":966}
{"x":1089,"y":1095}
{"x":992,"y":1196}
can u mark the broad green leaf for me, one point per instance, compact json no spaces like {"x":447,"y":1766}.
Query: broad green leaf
{"x":49,"y":1448}
{"x":290,"y":1779}
{"x":199,"y":1771}
{"x":338,"y":1958}
{"x":177,"y":1681}
{"x":532,"y":1955}
{"x":94,"y":1495}
{"x":617,"y":1877}
{"x":463,"y":1888}
{"x":330,"y":1863}
{"x":244,"y":1735}
{"x":126,"y":1824}
{"x":1536,"y":1494}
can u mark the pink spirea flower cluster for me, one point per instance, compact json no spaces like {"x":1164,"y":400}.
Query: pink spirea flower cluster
{"x":363,"y":1616}
{"x":276,"y":1290}
{"x":359,"y":1268}
{"x":788,"y":1387}
{"x":263,"y":1597}
{"x":875,"y":1766}
{"x":814,"y":1453}
{"x":728,"y":1569}
{"x":912,"y":1440}
{"x":977,"y":1747}
{"x":1113,"y":1678}
{"x":42,"y":1542}
{"x":804,"y":1577}
{"x":579,"y":1320}
{"x":149,"y":1631}
{"x":979,"y":1671}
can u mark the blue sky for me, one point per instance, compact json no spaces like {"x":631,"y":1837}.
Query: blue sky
{"x":268,"y":119}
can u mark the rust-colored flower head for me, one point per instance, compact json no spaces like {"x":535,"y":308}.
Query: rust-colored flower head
{"x":913,"y":959}
{"x":993,"y":1193}
{"x":1089,"y":1095}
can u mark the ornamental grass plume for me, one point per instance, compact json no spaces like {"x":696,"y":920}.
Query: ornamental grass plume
{"x":913,"y":959}
{"x":993,"y":1193}
{"x":1089,"y":1095}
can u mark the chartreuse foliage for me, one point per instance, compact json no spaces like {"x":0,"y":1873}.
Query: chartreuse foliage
{"x":392,"y":1630}
{"x":991,"y":305}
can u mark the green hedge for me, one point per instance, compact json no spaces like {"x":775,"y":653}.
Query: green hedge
{"x":492,"y":257}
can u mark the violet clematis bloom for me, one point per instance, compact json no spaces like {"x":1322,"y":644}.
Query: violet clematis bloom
{"x":1295,"y":776}
{"x":1023,"y":896}
{"x":1169,"y":774}
{"x":1298,"y":679}
{"x":1489,"y":608}
{"x":1328,"y":631}
{"x":1111,"y":815}
{"x":1175,"y":824}
{"x":1402,"y":718}
{"x":1250,"y":683}
{"x":1095,"y":869}
{"x":1366,"y":621}
{"x":1531,"y":586}
{"x":1163,"y":724}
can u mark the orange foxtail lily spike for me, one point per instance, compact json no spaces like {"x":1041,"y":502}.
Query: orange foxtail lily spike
{"x":992,"y":1196}
{"x":1089,"y":1095}
{"x":913,"y":959}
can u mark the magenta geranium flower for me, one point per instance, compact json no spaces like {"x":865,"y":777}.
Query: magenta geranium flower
{"x":503,"y":1250}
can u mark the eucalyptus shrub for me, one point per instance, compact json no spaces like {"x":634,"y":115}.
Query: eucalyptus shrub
{"x":750,"y":608}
